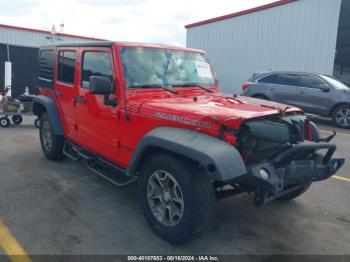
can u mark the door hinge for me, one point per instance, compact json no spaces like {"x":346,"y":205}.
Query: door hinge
{"x":116,"y":113}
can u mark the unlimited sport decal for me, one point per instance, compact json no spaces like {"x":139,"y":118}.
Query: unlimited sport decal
{"x":181,"y":119}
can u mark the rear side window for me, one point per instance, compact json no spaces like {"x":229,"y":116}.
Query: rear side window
{"x":66,"y":66}
{"x":46,"y":68}
{"x":271,"y":79}
{"x":281,"y":79}
{"x":95,"y":64}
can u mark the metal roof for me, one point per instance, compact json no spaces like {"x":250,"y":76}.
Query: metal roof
{"x":241,"y":13}
{"x":48,"y":32}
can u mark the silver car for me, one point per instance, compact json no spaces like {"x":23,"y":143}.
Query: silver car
{"x":315,"y":94}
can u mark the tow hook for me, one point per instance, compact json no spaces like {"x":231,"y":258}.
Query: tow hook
{"x":329,"y":138}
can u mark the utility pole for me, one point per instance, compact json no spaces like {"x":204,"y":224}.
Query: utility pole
{"x":8,"y":52}
{"x":61,"y":27}
{"x":8,"y":71}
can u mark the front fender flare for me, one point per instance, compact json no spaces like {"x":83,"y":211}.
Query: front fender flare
{"x":50,"y":107}
{"x":222,"y":161}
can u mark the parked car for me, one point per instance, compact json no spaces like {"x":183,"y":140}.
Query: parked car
{"x":315,"y":94}
{"x":154,"y":113}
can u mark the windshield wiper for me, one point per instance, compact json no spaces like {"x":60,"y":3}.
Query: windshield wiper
{"x":195,"y":85}
{"x":154,"y":86}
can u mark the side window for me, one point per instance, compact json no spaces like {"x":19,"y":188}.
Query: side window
{"x":66,"y":66}
{"x":281,"y":79}
{"x":46,"y":68}
{"x":310,"y":81}
{"x":95,"y":64}
{"x":288,"y":79}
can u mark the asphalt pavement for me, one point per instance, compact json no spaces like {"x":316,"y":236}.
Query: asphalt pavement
{"x":62,"y":208}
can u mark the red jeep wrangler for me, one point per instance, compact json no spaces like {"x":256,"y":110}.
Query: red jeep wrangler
{"x":154,"y":113}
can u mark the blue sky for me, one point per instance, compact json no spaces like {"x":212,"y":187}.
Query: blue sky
{"x":157,"y":21}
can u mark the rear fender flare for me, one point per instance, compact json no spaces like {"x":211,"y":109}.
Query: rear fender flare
{"x":222,"y":161}
{"x":45,"y":103}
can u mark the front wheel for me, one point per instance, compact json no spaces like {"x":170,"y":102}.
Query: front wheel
{"x":177,"y":198}
{"x":341,"y":116}
{"x":296,"y":193}
{"x":51,"y":144}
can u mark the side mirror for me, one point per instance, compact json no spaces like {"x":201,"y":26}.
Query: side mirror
{"x":100,"y":85}
{"x":325,"y":88}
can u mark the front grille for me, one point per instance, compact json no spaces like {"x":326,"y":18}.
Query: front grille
{"x":260,"y":139}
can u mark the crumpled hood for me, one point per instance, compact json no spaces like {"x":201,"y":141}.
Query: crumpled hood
{"x":218,"y":107}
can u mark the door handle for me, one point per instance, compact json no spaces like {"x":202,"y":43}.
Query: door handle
{"x":79,"y":100}
{"x":58,"y":92}
{"x":302,"y":92}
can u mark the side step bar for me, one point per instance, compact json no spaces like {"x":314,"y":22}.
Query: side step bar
{"x":114,"y":176}
{"x":98,"y":165}
{"x":68,"y":151}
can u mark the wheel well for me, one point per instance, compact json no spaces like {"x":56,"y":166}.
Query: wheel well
{"x":335,"y":106}
{"x":260,"y":96}
{"x":152,"y":150}
{"x":38,"y":109}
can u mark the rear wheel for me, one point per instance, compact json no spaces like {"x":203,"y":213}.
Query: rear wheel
{"x":5,"y":122}
{"x":177,"y":198}
{"x":295,"y":193}
{"x":16,"y":119}
{"x":51,"y":144}
{"x":341,"y":116}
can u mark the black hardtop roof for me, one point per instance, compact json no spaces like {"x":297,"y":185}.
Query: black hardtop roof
{"x":126,"y":44}
{"x":85,"y":44}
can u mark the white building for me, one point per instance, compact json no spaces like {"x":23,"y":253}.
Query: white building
{"x":29,"y":37}
{"x":20,"y":46}
{"x":299,"y":35}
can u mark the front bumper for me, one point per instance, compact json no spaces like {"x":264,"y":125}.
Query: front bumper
{"x":295,"y":165}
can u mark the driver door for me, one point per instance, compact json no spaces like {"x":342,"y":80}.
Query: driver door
{"x":97,"y":123}
{"x":313,"y":98}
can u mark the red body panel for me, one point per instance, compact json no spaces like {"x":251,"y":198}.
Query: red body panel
{"x":106,"y":131}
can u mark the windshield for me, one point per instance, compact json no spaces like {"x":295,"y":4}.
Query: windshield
{"x":153,"y":67}
{"x":336,"y":83}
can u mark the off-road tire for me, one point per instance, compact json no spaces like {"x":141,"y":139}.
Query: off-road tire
{"x":198,"y":197}
{"x":335,"y":113}
{"x":5,"y":122}
{"x":55,"y":150}
{"x":295,"y":193}
{"x":17,"y":120}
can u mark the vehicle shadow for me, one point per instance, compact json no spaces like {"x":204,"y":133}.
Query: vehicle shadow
{"x":326,"y":124}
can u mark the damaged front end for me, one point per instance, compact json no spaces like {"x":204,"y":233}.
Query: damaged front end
{"x":282,"y":153}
